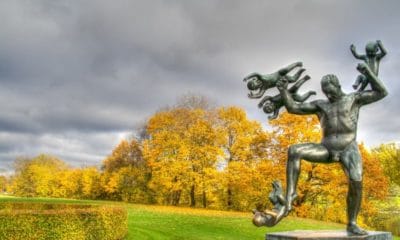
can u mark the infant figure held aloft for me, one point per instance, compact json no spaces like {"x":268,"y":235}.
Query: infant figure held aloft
{"x":374,"y":53}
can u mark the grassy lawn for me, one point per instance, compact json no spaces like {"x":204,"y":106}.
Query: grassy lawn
{"x":161,"y":222}
{"x":154,"y":222}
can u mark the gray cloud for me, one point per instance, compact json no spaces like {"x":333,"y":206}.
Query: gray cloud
{"x":77,"y":76}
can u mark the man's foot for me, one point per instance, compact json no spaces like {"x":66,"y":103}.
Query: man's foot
{"x":289,"y":204}
{"x":356,"y":230}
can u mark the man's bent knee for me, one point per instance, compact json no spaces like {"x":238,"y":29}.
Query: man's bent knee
{"x":355,"y":176}
{"x":294,"y":151}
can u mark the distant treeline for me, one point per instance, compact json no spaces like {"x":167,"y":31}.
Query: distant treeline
{"x":195,"y":155}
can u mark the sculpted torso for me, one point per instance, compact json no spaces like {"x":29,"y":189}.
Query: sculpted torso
{"x":338,"y":121}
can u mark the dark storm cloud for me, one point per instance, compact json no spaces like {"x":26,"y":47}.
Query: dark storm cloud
{"x":77,"y":76}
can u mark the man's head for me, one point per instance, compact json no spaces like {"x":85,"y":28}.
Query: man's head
{"x":331,"y":87}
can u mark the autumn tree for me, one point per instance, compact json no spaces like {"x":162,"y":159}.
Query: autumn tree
{"x":90,"y":183}
{"x":194,"y":101}
{"x":127,"y":153}
{"x":37,"y":176}
{"x":125,"y":173}
{"x":3,"y":183}
{"x":182,"y":150}
{"x":389,"y":156}
{"x":245,"y":146}
{"x":67,"y":183}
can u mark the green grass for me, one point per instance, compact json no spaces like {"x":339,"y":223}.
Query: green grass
{"x":160,"y":222}
{"x":183,"y":223}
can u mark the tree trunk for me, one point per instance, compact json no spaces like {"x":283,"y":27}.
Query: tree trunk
{"x":229,"y":201}
{"x":204,"y":199}
{"x":176,"y":195}
{"x":192,"y":196}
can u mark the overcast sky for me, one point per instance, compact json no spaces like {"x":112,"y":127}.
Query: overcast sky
{"x":78,"y":76}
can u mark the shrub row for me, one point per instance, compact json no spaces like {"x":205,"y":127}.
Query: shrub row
{"x":392,"y":225}
{"x":387,"y":219}
{"x":62,"y":221}
{"x":12,"y":206}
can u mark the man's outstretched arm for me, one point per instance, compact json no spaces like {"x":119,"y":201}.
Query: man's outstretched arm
{"x":378,"y":89}
{"x":291,"y":105}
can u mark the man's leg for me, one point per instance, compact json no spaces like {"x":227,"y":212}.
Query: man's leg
{"x":308,"y":151}
{"x":352,"y":165}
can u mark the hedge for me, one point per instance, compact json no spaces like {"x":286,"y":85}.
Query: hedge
{"x":393,"y":225}
{"x":38,"y":221}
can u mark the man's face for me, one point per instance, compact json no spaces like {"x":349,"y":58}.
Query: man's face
{"x":331,"y":91}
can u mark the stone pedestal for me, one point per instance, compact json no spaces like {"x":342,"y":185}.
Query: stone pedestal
{"x":326,"y":234}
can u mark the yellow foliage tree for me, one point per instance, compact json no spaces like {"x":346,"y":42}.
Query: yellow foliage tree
{"x":3,"y":183}
{"x":182,"y":149}
{"x":127,"y":153}
{"x":37,"y":176}
{"x":389,"y":156}
{"x":68,"y":184}
{"x":126,"y":174}
{"x":245,"y":146}
{"x":90,"y":183}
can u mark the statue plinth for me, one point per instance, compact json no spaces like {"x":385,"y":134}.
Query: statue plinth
{"x":326,"y":234}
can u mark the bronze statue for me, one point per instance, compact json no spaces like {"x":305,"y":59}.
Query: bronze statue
{"x":338,"y":116}
{"x":371,"y":58}
{"x":260,"y":83}
{"x":269,"y":218}
{"x":273,"y":104}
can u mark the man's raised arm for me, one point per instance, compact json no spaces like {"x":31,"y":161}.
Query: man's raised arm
{"x":378,"y":90}
{"x":291,"y":105}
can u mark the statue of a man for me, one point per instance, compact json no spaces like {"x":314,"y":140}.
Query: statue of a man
{"x":338,"y":117}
